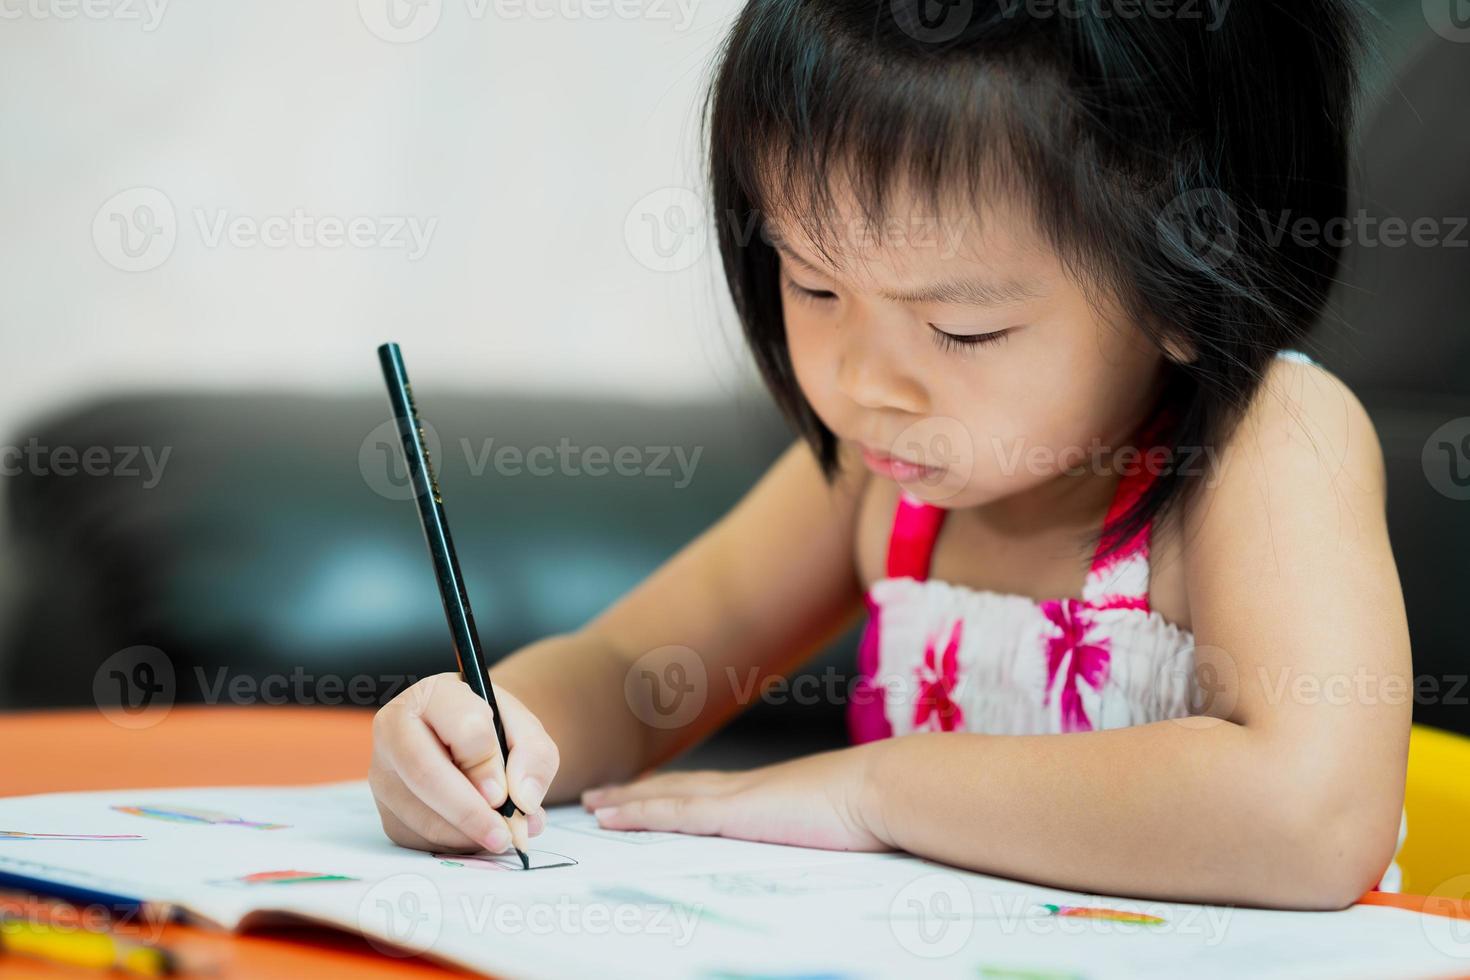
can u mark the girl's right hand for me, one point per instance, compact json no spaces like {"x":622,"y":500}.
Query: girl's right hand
{"x":437,"y":775}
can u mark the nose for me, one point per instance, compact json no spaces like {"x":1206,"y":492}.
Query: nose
{"x":874,"y":376}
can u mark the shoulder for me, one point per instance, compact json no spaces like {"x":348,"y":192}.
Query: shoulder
{"x":1303,"y":455}
{"x":1304,"y":420}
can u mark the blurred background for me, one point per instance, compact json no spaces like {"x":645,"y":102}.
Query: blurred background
{"x":214,"y":212}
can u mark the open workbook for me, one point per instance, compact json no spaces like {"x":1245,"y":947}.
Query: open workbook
{"x":651,"y":904}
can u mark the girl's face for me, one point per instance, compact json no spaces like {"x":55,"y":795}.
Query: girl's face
{"x":958,"y":357}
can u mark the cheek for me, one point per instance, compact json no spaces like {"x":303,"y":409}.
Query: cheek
{"x":813,"y":358}
{"x":1029,"y":411}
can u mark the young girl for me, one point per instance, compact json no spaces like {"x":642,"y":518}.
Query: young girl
{"x":1134,"y":625}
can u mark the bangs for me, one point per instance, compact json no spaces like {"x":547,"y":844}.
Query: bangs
{"x":812,"y":101}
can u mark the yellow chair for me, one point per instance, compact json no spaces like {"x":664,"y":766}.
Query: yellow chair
{"x":1437,"y":798}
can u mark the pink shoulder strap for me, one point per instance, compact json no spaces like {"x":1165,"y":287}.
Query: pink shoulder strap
{"x":911,"y":544}
{"x":1121,"y":579}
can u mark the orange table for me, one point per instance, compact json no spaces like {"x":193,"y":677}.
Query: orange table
{"x":56,"y":751}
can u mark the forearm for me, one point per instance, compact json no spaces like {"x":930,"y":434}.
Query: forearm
{"x":573,"y":684}
{"x":1201,"y":810}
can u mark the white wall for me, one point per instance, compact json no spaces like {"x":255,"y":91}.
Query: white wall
{"x":528,"y":130}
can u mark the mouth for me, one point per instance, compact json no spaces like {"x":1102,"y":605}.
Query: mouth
{"x":899,"y":469}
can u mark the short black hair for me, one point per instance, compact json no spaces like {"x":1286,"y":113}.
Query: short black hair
{"x":1146,"y":146}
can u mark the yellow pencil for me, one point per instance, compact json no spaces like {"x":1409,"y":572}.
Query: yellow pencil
{"x":80,"y":947}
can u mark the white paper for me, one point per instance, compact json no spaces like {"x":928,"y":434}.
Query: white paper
{"x":641,"y":905}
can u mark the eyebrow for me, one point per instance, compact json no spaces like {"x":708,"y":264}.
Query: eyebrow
{"x":961,"y":292}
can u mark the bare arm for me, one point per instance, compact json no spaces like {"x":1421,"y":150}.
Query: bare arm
{"x":752,"y":597}
{"x":1289,"y":792}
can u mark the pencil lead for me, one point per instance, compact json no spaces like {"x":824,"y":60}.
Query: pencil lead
{"x":525,"y":860}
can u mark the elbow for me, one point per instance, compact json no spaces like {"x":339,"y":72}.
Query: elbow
{"x":1338,"y":855}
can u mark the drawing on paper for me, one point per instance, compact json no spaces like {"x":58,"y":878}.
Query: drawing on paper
{"x":1025,"y":973}
{"x":1108,"y":915}
{"x":1045,"y":910}
{"x":178,"y":814}
{"x":540,"y":860}
{"x":24,"y":835}
{"x":283,"y":878}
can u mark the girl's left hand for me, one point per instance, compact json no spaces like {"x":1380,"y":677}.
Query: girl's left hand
{"x":816,"y":801}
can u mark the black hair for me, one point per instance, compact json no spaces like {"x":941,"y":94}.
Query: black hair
{"x":1146,"y":145}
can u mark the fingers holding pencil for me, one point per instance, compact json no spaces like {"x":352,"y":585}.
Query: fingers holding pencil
{"x":438,"y":775}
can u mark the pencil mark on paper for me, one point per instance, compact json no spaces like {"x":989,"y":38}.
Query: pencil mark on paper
{"x":178,"y":814}
{"x":540,"y":861}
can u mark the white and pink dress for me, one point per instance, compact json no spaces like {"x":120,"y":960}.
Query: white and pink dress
{"x":936,"y":657}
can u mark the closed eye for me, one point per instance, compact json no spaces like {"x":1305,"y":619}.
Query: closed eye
{"x":961,"y":343}
{"x":807,"y":293}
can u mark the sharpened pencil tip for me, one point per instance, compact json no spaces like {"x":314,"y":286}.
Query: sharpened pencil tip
{"x":525,"y":860}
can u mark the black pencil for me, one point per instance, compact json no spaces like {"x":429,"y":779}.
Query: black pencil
{"x":466,"y":639}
